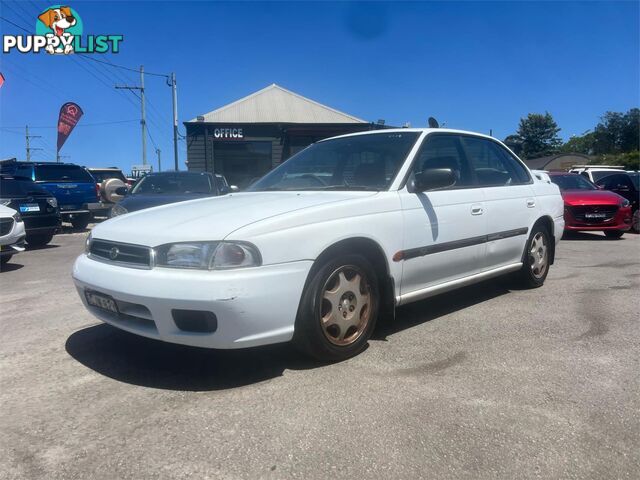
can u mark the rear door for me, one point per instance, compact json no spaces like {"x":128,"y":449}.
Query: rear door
{"x":509,"y":199}
{"x":444,"y":230}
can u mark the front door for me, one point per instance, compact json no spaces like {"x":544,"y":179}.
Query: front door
{"x":444,"y":230}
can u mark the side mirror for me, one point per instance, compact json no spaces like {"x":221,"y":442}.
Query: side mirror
{"x":433,"y":179}
{"x":233,"y":188}
{"x":122,"y":191}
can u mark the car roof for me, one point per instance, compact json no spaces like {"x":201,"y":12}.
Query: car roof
{"x":416,"y":130}
{"x":104,"y":169}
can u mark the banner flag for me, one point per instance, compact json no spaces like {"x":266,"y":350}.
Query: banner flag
{"x":70,"y":114}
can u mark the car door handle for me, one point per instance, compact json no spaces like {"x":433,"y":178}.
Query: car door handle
{"x":531,"y":203}
{"x":477,"y":210}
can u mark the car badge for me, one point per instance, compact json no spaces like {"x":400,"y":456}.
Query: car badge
{"x":113,"y":253}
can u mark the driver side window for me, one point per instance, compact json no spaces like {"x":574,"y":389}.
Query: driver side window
{"x":444,"y":151}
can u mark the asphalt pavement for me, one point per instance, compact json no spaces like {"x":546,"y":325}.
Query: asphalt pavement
{"x":482,"y":383}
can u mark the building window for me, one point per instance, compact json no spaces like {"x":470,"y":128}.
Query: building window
{"x":241,"y":162}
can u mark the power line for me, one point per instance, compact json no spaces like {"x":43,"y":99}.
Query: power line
{"x":81,"y":125}
{"x":122,"y":67}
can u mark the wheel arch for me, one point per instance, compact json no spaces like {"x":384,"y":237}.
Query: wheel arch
{"x":372,"y":251}
{"x":547,"y":222}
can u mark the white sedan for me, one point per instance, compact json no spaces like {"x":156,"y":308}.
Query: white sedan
{"x":12,"y":234}
{"x":323,"y":245}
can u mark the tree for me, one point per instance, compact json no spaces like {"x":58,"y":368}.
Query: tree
{"x":617,"y":132}
{"x":580,"y":144}
{"x":538,"y":135}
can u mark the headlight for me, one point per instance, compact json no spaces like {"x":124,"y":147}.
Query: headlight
{"x":208,"y":255}
{"x":118,"y":210}
{"x":53,"y":202}
{"x":624,"y":202}
{"x":17,"y":217}
{"x":5,"y":201}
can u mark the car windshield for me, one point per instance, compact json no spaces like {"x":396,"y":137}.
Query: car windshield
{"x":572,"y":181}
{"x":360,"y":162}
{"x":173,"y":183}
{"x":102,"y":175}
{"x":19,"y":188}
{"x":62,"y":173}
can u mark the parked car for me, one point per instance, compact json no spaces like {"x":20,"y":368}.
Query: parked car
{"x":317,"y":249}
{"x":108,"y":180}
{"x":72,"y":185}
{"x":11,"y":234}
{"x":626,"y":185}
{"x":595,"y":172}
{"x":163,"y":188}
{"x":38,"y":208}
{"x":588,"y":208}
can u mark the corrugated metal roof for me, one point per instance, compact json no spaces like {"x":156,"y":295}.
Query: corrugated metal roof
{"x":275,"y":104}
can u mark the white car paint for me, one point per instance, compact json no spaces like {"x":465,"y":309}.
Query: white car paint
{"x":258,"y":305}
{"x":13,"y":241}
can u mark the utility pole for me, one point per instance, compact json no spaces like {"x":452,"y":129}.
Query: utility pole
{"x":174,"y":92}
{"x":159,"y":162}
{"x":143,"y":120}
{"x":28,"y":138}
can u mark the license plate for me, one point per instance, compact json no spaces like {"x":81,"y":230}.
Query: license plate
{"x":595,"y":215}
{"x":104,"y":302}
{"x":29,"y":207}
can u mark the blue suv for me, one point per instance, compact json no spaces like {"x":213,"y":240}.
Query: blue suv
{"x":72,"y":185}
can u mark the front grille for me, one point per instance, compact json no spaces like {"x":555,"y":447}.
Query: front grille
{"x":594,"y":213}
{"x":6,"y":224}
{"x":121,"y":253}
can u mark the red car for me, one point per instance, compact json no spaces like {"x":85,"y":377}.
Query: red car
{"x":586,"y":207}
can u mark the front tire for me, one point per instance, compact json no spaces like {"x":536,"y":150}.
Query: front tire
{"x":80,"y":222}
{"x":535,"y":266}
{"x":38,"y":240}
{"x":338,"y":310}
{"x":636,"y":221}
{"x":613,"y":234}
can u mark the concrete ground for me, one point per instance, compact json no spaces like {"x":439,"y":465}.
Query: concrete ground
{"x":481,"y":383}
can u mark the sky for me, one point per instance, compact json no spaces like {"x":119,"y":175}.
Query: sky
{"x":477,"y":66}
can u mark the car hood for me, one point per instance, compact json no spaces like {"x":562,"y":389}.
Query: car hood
{"x":133,"y":203}
{"x":211,"y":218}
{"x":590,"y":197}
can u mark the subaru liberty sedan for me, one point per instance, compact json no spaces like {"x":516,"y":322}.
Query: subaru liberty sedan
{"x":318,"y":249}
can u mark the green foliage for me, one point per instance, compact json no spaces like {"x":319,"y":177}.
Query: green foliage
{"x":537,"y":136}
{"x":629,"y":160}
{"x":579,"y":144}
{"x":617,"y":132}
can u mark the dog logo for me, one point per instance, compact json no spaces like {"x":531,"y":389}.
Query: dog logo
{"x":59,"y":32}
{"x":58,"y":21}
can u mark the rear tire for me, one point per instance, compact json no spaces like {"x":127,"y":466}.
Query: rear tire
{"x":338,"y":309}
{"x":613,"y":234}
{"x":81,"y":222}
{"x":38,"y":240}
{"x":636,"y":221}
{"x":535,"y":266}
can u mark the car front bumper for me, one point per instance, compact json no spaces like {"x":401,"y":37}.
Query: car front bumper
{"x":253,"y":306}
{"x":620,"y":221}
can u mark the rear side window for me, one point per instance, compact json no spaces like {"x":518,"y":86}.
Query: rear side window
{"x":616,"y":182}
{"x":492,"y":164}
{"x":62,"y":173}
{"x":101,"y":176}
{"x":444,"y":151}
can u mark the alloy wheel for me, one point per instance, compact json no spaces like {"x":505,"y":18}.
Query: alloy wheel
{"x":539,"y":255}
{"x":345,"y":309}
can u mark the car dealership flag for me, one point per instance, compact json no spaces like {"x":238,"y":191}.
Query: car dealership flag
{"x":70,"y":114}
{"x":1,"y":79}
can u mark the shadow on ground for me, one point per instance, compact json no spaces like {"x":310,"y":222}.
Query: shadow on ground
{"x":10,"y":266}
{"x":594,"y":236}
{"x":141,"y":361}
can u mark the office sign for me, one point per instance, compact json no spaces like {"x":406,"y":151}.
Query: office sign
{"x":228,"y":133}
